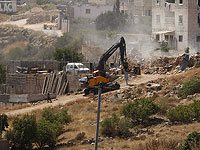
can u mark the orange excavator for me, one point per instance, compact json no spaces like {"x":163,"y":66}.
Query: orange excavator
{"x":100,"y":75}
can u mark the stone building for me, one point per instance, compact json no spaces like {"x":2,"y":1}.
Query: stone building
{"x":89,"y":11}
{"x":177,"y":23}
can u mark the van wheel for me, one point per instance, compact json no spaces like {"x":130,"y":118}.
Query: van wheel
{"x":86,"y":91}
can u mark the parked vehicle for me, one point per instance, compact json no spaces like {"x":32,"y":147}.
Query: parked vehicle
{"x":76,"y":67}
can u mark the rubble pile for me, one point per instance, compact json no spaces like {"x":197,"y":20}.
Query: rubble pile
{"x":36,"y":40}
{"x":165,"y":65}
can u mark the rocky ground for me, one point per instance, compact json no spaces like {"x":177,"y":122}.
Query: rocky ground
{"x":162,"y":89}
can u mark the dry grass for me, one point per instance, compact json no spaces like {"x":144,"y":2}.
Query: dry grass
{"x":4,"y":17}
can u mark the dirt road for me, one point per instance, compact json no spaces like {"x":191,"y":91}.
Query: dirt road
{"x":66,"y":99}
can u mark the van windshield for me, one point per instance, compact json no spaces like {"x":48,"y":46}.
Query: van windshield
{"x":80,"y":66}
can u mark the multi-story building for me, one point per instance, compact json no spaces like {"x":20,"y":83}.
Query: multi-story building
{"x":177,"y":22}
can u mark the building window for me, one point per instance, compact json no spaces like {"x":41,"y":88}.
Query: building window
{"x":180,"y":2}
{"x":198,"y":2}
{"x":198,"y":38}
{"x":87,"y":11}
{"x":157,"y":37}
{"x":167,"y":37}
{"x":198,"y":18}
{"x":180,"y":38}
{"x":180,"y":20}
{"x":157,"y":2}
{"x":158,"y":18}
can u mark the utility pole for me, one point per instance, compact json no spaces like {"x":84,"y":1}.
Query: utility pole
{"x":98,"y":114}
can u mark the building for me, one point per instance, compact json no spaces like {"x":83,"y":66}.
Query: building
{"x":136,"y":7}
{"x":8,"y":6}
{"x":177,"y":23}
{"x":90,"y":11}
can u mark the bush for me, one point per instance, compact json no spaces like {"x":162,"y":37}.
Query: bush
{"x":192,"y":141}
{"x":61,"y":117}
{"x":44,"y":132}
{"x":190,"y":87}
{"x":197,"y":65}
{"x":47,"y":133}
{"x":140,"y":110}
{"x":182,"y":114}
{"x":2,"y":74}
{"x":164,"y":48}
{"x":195,"y":108}
{"x":115,"y":126}
{"x":3,"y":123}
{"x":23,"y":132}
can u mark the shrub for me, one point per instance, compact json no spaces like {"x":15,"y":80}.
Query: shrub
{"x":115,"y":126}
{"x":61,"y":117}
{"x":2,"y":74}
{"x":197,"y":65}
{"x":195,"y":107}
{"x":164,"y":48}
{"x":140,"y":110}
{"x":47,"y":133}
{"x":181,"y":113}
{"x":23,"y":132}
{"x":192,"y":141}
{"x":3,"y":123}
{"x":190,"y":87}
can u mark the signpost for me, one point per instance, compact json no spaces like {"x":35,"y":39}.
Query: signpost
{"x":8,"y":6}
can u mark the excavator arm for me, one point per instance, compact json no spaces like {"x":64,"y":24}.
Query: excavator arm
{"x":119,"y":44}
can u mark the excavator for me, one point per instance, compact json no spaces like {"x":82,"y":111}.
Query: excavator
{"x":100,"y":76}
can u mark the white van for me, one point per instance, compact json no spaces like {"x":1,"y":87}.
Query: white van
{"x":76,"y":67}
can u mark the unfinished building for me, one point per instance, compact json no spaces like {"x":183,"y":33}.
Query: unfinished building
{"x":177,"y":23}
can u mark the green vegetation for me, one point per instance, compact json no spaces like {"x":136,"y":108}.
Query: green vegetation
{"x":2,"y":74}
{"x":3,"y":123}
{"x":23,"y":133}
{"x":27,"y":131}
{"x":180,"y":114}
{"x":140,"y":110}
{"x":197,"y":65}
{"x":115,"y":126}
{"x":192,"y":141}
{"x":67,"y":48}
{"x":42,"y":2}
{"x":184,"y":114}
{"x":190,"y":87}
{"x":111,"y":21}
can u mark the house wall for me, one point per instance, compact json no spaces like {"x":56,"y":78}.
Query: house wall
{"x":94,"y":11}
{"x":169,"y":21}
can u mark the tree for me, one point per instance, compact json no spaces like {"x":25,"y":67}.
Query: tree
{"x":67,"y":48}
{"x":2,"y":74}
{"x":3,"y":123}
{"x":46,"y":133}
{"x":111,"y":21}
{"x":23,"y":132}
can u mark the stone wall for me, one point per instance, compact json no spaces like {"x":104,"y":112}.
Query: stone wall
{"x":24,"y":98}
{"x":25,"y":83}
